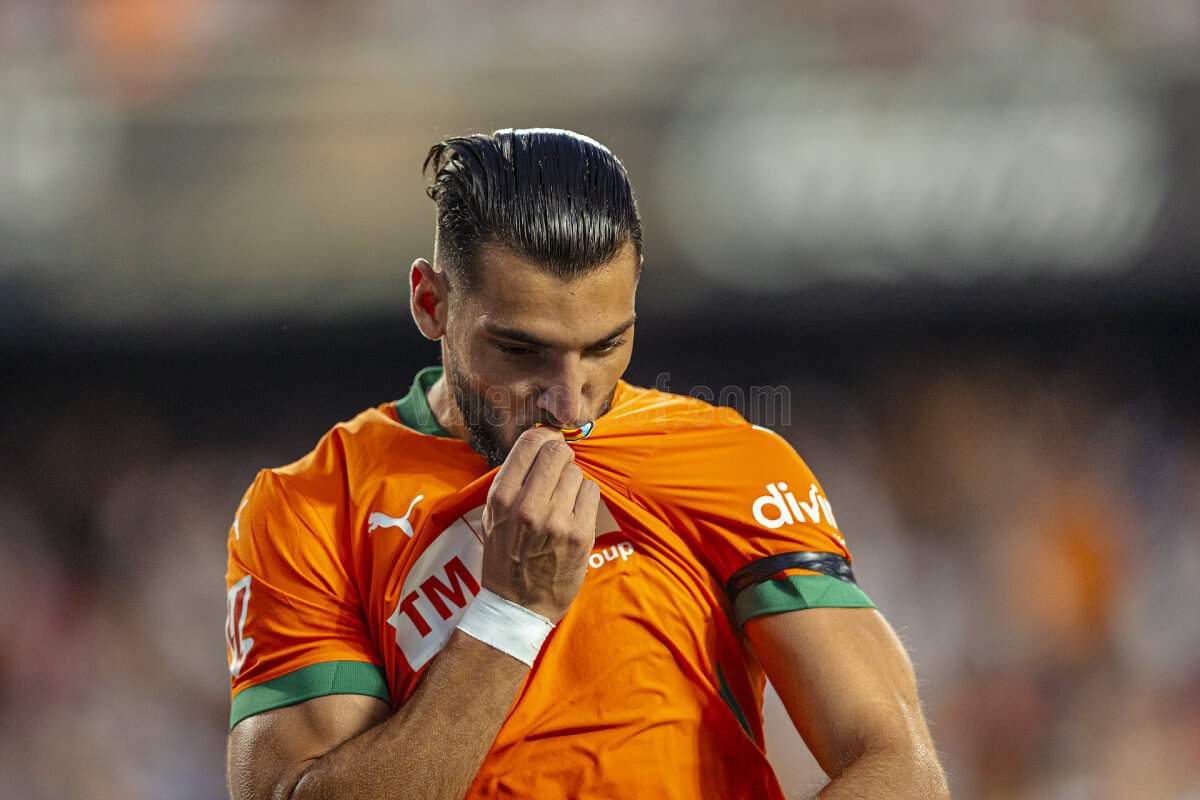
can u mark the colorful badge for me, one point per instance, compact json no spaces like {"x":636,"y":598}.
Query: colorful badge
{"x":571,"y":434}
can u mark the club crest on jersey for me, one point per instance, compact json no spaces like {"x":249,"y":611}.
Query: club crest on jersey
{"x":572,"y":434}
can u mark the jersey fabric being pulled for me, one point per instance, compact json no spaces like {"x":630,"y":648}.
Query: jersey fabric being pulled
{"x":349,"y":569}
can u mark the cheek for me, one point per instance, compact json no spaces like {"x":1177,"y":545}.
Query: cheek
{"x":613,"y":368}
{"x":495,"y":379}
{"x":604,"y":379}
{"x":484,"y":365}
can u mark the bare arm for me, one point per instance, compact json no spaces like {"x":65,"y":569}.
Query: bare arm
{"x":850,"y":690}
{"x":539,"y":524}
{"x":341,"y":746}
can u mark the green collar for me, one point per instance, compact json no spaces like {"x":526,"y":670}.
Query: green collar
{"x":413,"y":409}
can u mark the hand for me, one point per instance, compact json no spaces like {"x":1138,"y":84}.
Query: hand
{"x":539,"y":525}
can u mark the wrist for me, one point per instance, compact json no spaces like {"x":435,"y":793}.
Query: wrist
{"x":506,"y":626}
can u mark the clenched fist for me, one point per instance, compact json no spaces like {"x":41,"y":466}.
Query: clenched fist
{"x":539,"y":525}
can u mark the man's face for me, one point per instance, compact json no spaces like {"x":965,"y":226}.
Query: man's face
{"x":527,"y":347}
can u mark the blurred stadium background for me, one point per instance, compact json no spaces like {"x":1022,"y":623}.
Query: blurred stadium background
{"x":963,"y":235}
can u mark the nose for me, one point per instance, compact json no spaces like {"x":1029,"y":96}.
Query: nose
{"x":561,"y":397}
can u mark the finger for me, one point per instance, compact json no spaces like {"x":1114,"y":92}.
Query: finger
{"x":587,"y":502}
{"x":563,"y":499}
{"x":507,"y":484}
{"x":543,"y":476}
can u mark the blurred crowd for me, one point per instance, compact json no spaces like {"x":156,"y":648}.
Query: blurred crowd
{"x":1035,"y":543}
{"x":1037,"y":548}
{"x":171,"y":170}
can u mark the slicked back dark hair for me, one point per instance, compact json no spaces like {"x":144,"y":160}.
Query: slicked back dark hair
{"x":555,"y":197}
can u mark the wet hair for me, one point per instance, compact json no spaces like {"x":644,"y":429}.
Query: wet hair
{"x":555,"y":197}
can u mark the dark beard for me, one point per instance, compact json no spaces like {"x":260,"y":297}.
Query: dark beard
{"x":483,"y":420}
{"x":480,"y":417}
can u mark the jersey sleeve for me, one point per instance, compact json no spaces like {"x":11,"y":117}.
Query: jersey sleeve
{"x":757,"y":515}
{"x":295,"y":626}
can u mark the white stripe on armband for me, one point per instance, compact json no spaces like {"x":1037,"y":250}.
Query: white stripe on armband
{"x":506,"y":626}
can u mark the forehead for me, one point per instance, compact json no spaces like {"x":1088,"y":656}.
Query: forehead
{"x":515,"y":293}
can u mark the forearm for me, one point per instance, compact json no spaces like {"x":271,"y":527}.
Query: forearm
{"x":433,"y":746}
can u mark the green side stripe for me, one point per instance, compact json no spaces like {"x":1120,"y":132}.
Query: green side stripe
{"x":317,"y":680}
{"x":797,"y":592}
{"x":732,"y":702}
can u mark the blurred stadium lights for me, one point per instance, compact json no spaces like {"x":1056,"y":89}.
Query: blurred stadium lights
{"x":182,"y":163}
{"x":59,"y":151}
{"x":984,"y":161}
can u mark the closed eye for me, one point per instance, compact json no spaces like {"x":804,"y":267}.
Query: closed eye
{"x":515,"y":350}
{"x":520,"y":350}
{"x":607,"y":347}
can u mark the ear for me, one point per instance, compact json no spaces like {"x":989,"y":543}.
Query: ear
{"x":428,"y":299}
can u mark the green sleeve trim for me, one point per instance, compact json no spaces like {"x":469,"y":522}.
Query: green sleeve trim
{"x":317,"y":680}
{"x":732,"y":702}
{"x":797,"y":592}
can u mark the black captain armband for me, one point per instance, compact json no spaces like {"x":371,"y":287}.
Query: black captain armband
{"x":830,"y":564}
{"x":754,"y":593}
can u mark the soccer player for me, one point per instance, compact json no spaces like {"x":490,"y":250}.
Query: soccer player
{"x":528,"y":578}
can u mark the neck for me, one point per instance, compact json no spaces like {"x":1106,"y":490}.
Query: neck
{"x":445,"y":410}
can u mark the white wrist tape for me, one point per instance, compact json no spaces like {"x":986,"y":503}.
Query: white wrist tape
{"x":506,"y":626}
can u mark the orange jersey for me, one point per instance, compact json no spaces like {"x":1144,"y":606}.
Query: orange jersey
{"x":349,"y":569}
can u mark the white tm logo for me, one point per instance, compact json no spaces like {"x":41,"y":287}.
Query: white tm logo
{"x":786,"y":510}
{"x":438,"y":589}
{"x":380,"y":520}
{"x":445,"y":579}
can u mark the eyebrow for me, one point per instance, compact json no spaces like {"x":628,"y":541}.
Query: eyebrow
{"x":525,"y":338}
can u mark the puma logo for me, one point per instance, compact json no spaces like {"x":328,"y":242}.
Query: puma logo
{"x":381,"y":520}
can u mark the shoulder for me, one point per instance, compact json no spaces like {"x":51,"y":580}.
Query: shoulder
{"x":375,"y":446}
{"x":683,"y":423}
{"x":314,"y":488}
{"x":373,"y":429}
{"x":685,"y":451}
